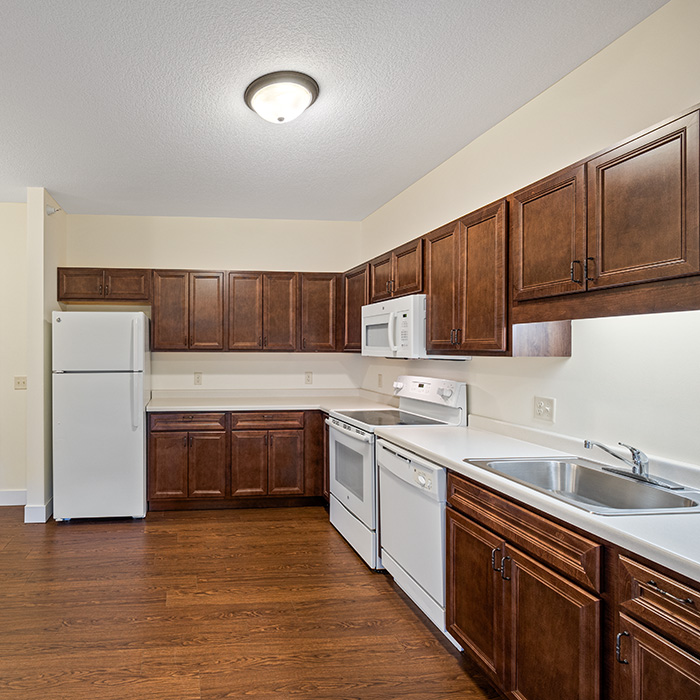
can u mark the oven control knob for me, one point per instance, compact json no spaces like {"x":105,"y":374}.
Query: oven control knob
{"x":445,"y":393}
{"x":422,"y":480}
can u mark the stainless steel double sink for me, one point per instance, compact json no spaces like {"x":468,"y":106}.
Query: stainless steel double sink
{"x":584,"y":484}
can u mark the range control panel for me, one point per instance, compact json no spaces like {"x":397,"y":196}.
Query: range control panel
{"x":446,"y":392}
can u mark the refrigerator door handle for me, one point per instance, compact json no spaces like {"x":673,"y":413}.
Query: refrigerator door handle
{"x":135,"y":343}
{"x":136,"y":379}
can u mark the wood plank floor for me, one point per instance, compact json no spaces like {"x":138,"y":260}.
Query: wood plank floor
{"x":204,"y":605}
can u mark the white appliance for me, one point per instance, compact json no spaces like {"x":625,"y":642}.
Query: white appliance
{"x":101,"y":385}
{"x":353,"y":467}
{"x":396,"y":328}
{"x":412,"y":524}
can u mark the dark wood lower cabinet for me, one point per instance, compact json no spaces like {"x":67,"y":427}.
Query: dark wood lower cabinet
{"x":474,"y":613}
{"x":551,"y":632}
{"x":202,"y":460}
{"x":650,"y":667}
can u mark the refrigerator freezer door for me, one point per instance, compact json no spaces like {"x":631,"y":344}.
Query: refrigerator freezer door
{"x":99,"y":446}
{"x":99,"y":341}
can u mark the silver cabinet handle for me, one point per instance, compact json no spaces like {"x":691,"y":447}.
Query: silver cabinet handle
{"x":503,"y":568}
{"x":618,"y":646}
{"x":655,"y":586}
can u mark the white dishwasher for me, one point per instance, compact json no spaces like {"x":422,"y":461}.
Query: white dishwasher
{"x":412,"y":494}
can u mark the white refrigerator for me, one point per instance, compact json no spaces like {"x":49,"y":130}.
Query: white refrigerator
{"x":101,"y":385}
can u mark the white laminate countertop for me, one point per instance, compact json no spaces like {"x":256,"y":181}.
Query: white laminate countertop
{"x":670,"y":540}
{"x":184,"y":402}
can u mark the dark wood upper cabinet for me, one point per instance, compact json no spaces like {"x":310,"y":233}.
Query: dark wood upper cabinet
{"x":355,"y":296}
{"x":206,"y":323}
{"x":245,"y":310}
{"x":466,"y":284}
{"x":188,"y":310}
{"x":548,"y":235}
{"x":643,"y":202}
{"x":380,"y":275}
{"x":484,"y":272}
{"x":319,"y":311}
{"x":443,"y":284}
{"x":280,"y":311}
{"x":170,"y":313}
{"x":122,"y":284}
{"x":398,"y":272}
{"x":98,"y":284}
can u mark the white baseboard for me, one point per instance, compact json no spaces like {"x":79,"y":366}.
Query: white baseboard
{"x":38,"y":514}
{"x":13,"y":497}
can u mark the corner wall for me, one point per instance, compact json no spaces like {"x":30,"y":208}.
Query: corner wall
{"x":13,"y":351}
{"x":633,"y":379}
{"x":46,"y":250}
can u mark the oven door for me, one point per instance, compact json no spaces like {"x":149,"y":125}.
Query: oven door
{"x":352,"y":470}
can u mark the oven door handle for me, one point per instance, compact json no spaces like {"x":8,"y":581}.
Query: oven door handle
{"x":355,"y":436}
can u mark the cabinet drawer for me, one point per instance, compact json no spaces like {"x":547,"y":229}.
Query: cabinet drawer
{"x":568,"y":552}
{"x":188,"y":421}
{"x":269,"y":420}
{"x":664,"y":603}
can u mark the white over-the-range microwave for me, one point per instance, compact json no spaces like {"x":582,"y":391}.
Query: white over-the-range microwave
{"x":396,"y":328}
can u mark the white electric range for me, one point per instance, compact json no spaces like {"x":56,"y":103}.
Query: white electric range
{"x":354,"y":483}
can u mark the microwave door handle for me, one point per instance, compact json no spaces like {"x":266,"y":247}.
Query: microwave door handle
{"x":392,"y":332}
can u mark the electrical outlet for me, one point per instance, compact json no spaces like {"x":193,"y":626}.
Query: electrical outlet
{"x":20,"y":383}
{"x":380,"y":381}
{"x":198,"y":379}
{"x":308,"y":377}
{"x":544,"y":408}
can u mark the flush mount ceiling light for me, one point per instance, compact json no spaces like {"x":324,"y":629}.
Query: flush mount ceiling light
{"x":281,"y":96}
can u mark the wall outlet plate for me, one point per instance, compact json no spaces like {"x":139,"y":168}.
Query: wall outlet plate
{"x":308,"y":377}
{"x":380,"y":381}
{"x":20,"y":383}
{"x":544,"y":408}
{"x":198,"y":379}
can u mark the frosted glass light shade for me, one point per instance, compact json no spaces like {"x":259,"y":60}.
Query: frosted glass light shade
{"x":282,"y":96}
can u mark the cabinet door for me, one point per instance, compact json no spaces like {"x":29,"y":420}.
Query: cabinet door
{"x":643,"y":207}
{"x":245,"y":311}
{"x":380,"y":275}
{"x":483,"y":248}
{"x":280,"y":311}
{"x":552,"y":632}
{"x":442,"y":287}
{"x":167,"y":465}
{"x":80,"y":283}
{"x":355,"y":296}
{"x":548,"y":236}
{"x":249,"y":462}
{"x":319,"y":302}
{"x":206,"y":310}
{"x":473,"y":586}
{"x":207,"y":465}
{"x":127,"y":285}
{"x":407,"y":273}
{"x":286,"y":463}
{"x":650,"y":667}
{"x":170,"y":313}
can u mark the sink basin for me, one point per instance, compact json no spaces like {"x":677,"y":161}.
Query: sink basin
{"x":582,"y":483}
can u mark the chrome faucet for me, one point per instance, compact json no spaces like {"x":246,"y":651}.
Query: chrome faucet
{"x":639,"y":461}
{"x":639,"y":464}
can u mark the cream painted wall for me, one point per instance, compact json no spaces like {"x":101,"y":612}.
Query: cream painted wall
{"x":647,"y":75}
{"x":209,"y":243}
{"x":46,"y":250}
{"x":246,"y":372}
{"x":633,"y":379}
{"x":13,"y":350}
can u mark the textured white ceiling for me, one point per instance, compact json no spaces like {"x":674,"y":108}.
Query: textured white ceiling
{"x":136,"y":106}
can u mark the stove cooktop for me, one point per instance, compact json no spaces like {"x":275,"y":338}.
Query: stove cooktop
{"x":389,"y":417}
